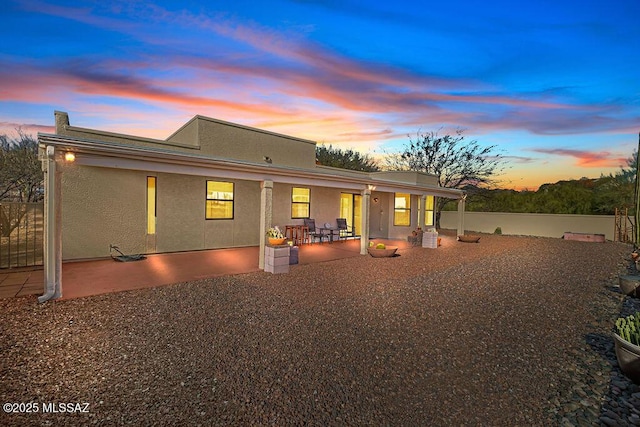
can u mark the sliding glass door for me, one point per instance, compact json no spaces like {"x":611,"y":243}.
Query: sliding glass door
{"x":351,"y":209}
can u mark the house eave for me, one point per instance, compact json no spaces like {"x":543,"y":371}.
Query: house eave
{"x":107,"y":154}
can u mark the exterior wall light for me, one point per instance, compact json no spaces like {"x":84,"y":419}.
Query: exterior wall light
{"x":69,"y":156}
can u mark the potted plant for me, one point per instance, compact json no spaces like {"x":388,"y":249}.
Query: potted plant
{"x":627,"y":340}
{"x":275,"y":236}
{"x":629,"y":284}
{"x":381,"y":250}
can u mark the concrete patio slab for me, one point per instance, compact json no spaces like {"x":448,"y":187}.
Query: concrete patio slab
{"x":95,"y":277}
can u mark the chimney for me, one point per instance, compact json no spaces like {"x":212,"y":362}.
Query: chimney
{"x":62,"y":121}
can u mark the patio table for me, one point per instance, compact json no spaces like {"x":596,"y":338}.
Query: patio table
{"x":328,"y":231}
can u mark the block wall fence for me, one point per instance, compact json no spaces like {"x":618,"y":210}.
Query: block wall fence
{"x":531,"y":224}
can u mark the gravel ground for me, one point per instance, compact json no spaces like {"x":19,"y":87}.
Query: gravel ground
{"x":510,"y":331}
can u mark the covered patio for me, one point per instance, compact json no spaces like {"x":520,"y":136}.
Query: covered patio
{"x":104,"y":276}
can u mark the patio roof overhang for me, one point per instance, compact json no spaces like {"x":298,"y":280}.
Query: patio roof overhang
{"x":120,"y":156}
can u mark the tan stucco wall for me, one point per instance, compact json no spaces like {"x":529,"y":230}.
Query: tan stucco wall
{"x":412,"y":177}
{"x":210,"y":137}
{"x":187,"y":134}
{"x":379,"y":215}
{"x":530,"y":224}
{"x":180,"y":212}
{"x":325,"y":204}
{"x":244,"y":229}
{"x":397,"y":231}
{"x":103,"y":206}
{"x":99,"y":208}
{"x":231,"y":142}
{"x":182,"y":226}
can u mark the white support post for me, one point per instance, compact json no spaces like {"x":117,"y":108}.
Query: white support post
{"x":366,"y":210}
{"x":421,"y":211}
{"x":266,"y":217}
{"x":461,"y":206}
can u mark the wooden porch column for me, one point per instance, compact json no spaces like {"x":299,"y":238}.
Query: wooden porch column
{"x":461,"y":204}
{"x":366,"y":209}
{"x":266,"y":216}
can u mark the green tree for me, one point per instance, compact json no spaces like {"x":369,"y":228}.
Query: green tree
{"x":21,"y":175}
{"x":345,"y":159}
{"x":566,"y":197}
{"x":617,"y":190}
{"x":584,"y":196}
{"x":454,"y":160}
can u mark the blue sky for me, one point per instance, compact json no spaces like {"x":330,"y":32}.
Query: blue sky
{"x":554,"y":84}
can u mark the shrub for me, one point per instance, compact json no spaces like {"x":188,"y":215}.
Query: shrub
{"x":629,"y":328}
{"x":498,"y":230}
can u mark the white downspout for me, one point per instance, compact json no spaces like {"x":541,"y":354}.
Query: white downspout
{"x":50,"y":264}
{"x":461,"y":206}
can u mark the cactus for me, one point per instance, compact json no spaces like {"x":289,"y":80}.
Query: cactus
{"x":629,"y":328}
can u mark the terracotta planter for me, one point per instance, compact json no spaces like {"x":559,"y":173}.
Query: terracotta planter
{"x":628,"y":356}
{"x":275,"y":241}
{"x":629,"y":284}
{"x":468,"y":239}
{"x":383,"y":253}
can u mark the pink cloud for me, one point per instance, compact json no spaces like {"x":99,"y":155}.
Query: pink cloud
{"x":588,"y":159}
{"x":284,"y":82}
{"x":11,"y":129}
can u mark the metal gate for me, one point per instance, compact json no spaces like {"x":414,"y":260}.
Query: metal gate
{"x":21,"y":234}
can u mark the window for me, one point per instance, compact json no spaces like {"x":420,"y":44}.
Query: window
{"x":428,"y":211}
{"x":300,"y":202}
{"x":151,"y":205}
{"x":402,"y":209}
{"x":219,"y":200}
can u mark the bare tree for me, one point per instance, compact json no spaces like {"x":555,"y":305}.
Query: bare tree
{"x":454,"y":160}
{"x":21,"y":175}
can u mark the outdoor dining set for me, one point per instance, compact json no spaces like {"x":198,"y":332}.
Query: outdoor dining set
{"x":310,"y":232}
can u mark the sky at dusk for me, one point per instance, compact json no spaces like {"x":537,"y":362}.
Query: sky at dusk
{"x":554,"y":84}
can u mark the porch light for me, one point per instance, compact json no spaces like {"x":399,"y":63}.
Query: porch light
{"x":69,"y":156}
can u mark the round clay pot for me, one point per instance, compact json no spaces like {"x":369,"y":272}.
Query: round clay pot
{"x":629,"y":284}
{"x":275,"y":241}
{"x":383,"y":253}
{"x":628,"y":356}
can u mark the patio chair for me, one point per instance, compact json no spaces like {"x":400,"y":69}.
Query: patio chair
{"x":344,"y":230}
{"x":314,"y":232}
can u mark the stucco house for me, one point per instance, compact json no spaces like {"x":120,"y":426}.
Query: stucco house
{"x":211,"y":184}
